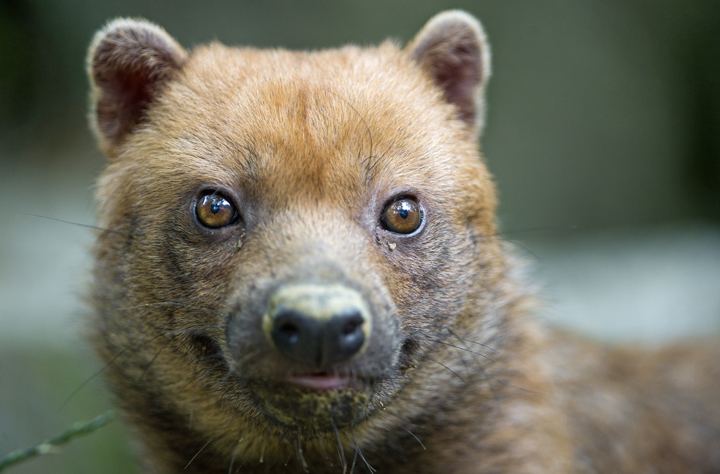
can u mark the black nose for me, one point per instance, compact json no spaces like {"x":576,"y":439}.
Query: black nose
{"x":317,"y":342}
{"x":316,"y":325}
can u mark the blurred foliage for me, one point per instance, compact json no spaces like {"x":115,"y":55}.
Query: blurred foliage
{"x":41,"y":386}
{"x":53,"y":445}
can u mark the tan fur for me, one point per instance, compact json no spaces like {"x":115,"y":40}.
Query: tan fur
{"x":314,"y":144}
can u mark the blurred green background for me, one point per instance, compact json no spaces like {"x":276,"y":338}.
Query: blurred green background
{"x":603,"y":135}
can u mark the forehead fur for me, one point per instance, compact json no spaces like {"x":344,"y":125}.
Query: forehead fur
{"x":300,"y":122}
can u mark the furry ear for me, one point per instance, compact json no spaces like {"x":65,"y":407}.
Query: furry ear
{"x":453,"y":50}
{"x":128,"y":63}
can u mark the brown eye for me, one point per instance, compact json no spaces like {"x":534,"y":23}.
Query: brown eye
{"x":214,"y":210}
{"x":402,"y":216}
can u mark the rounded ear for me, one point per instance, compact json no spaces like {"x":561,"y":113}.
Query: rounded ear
{"x":128,"y":63}
{"x":452,"y":49}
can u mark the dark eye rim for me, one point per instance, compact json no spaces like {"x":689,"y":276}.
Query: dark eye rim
{"x":399,"y":197}
{"x":225,"y":194}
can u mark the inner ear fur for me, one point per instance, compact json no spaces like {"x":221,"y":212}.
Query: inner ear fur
{"x":129,"y":61}
{"x":453,"y":51}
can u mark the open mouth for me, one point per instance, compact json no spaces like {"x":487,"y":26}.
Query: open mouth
{"x":320,"y":381}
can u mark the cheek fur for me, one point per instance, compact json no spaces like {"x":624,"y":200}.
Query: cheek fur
{"x":427,"y":274}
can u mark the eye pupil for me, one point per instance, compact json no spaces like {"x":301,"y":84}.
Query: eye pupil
{"x":402,"y":216}
{"x":214,"y":210}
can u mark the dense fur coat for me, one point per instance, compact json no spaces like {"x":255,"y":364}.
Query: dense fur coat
{"x":307,"y":150}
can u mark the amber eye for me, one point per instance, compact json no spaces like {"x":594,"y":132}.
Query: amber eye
{"x":215,"y":210}
{"x":402,"y":216}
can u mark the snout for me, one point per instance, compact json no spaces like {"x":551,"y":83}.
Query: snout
{"x":317,"y":325}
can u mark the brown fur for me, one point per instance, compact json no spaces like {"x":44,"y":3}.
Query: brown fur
{"x":312,"y":145}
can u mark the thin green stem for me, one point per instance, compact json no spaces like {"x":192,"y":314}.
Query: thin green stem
{"x":80,"y":428}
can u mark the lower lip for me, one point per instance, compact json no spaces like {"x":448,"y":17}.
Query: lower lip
{"x":320,"y":382}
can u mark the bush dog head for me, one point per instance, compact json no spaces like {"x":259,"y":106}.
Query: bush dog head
{"x":293,"y":238}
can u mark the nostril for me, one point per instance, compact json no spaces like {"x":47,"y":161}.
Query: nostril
{"x":352,"y":325}
{"x":346,"y":335}
{"x":290,"y":332}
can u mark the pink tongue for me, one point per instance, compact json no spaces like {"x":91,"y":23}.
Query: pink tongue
{"x":320,"y":382}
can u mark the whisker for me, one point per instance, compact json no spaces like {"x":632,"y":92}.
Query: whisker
{"x":233,"y":458}
{"x":417,"y":438}
{"x":535,"y":230}
{"x":465,"y":340}
{"x":199,"y":451}
{"x":299,"y":451}
{"x":361,"y":116}
{"x":192,"y":330}
{"x":354,"y":460}
{"x":358,"y":452}
{"x":79,"y":224}
{"x":85,"y":382}
{"x":440,"y":341}
{"x":364,"y":459}
{"x":92,"y":377}
{"x":448,"y":368}
{"x":403,"y":420}
{"x":149,"y":305}
{"x":373,"y":168}
{"x":124,"y":351}
{"x":147,"y":368}
{"x":340,"y":449}
{"x":524,"y":247}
